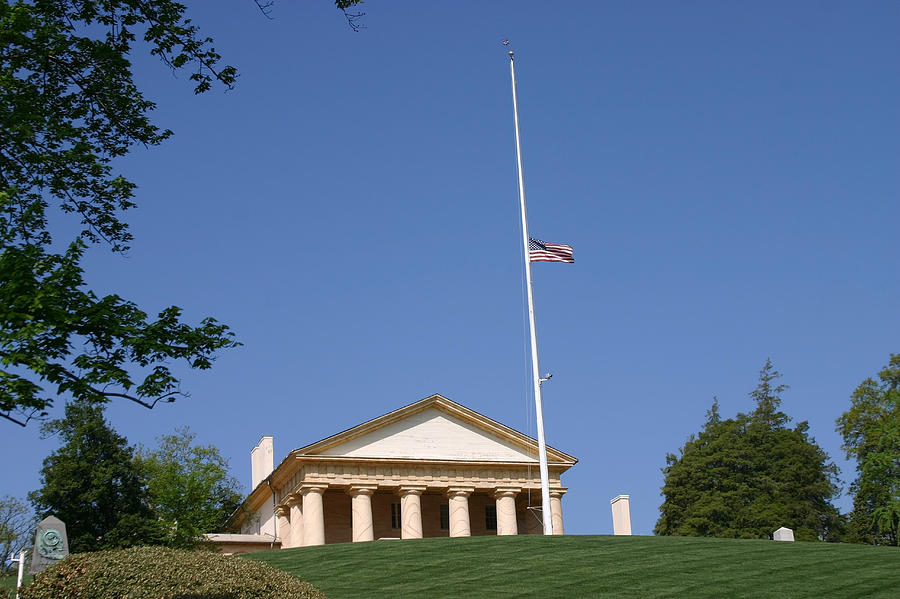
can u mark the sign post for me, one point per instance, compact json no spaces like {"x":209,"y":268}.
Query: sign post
{"x":21,"y":560}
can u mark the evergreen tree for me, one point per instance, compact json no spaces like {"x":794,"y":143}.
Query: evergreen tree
{"x":92,"y":484}
{"x":871,"y":432}
{"x":747,"y":476}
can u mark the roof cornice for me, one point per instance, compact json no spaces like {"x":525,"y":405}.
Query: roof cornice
{"x":289,"y":465}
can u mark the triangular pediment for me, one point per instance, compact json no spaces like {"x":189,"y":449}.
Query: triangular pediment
{"x":434,"y":428}
{"x":431,"y":435}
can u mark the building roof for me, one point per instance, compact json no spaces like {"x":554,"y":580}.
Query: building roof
{"x":433,"y":429}
{"x":434,"y":414}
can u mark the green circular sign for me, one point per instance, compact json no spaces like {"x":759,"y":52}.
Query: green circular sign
{"x":50,"y":544}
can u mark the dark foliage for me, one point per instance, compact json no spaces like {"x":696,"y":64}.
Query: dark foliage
{"x":69,"y":107}
{"x":91,"y":483}
{"x":747,"y":476}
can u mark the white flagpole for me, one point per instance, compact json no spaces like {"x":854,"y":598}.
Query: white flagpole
{"x":542,"y":445}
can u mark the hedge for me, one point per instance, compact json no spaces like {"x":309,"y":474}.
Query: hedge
{"x":160,"y":573}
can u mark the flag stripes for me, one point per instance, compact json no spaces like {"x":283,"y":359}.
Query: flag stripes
{"x":542,"y":251}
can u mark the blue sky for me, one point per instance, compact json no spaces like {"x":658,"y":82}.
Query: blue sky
{"x":727,"y":174}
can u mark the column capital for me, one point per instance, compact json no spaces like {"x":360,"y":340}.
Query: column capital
{"x":558,"y":492}
{"x":506,"y":491}
{"x":411,"y":490}
{"x":282,"y":511}
{"x":293,"y":499}
{"x":460,"y":491}
{"x":361,"y":490}
{"x":313,"y":488}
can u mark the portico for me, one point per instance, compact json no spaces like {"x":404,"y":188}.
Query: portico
{"x":433,"y":468}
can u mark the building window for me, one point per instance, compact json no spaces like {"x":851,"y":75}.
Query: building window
{"x":395,"y":515}
{"x":445,"y":517}
{"x":490,"y":517}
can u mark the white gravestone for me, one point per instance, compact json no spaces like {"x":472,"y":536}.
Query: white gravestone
{"x":783,"y":534}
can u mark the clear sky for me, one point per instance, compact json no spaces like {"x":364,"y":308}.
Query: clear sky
{"x":727,"y":173}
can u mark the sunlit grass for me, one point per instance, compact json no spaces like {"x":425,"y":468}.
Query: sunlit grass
{"x":593,"y":566}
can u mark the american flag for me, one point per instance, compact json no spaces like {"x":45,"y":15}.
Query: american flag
{"x":541,"y":251}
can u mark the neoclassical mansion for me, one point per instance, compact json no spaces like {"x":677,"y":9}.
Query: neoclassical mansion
{"x":433,"y":468}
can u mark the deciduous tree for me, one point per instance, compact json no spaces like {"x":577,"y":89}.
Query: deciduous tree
{"x":190,"y":488}
{"x":747,"y":476}
{"x":69,"y":107}
{"x":16,"y":524}
{"x":871,"y":433}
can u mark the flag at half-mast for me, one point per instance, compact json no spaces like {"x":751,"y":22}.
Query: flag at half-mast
{"x":543,"y":251}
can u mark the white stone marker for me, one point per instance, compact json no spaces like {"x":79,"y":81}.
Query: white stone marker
{"x":621,"y":513}
{"x":783,"y":534}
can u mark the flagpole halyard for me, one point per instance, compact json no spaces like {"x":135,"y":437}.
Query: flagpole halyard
{"x":546,"y":517}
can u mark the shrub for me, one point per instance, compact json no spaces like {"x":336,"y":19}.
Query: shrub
{"x":161,"y":573}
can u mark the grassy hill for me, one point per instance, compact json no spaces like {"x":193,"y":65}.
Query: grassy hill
{"x":593,"y":566}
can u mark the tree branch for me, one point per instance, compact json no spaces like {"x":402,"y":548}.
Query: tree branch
{"x":265,"y":7}
{"x":353,"y":19}
{"x":149,"y":405}
{"x":11,"y":419}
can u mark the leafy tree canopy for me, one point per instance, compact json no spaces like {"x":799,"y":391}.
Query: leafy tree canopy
{"x":871,"y":433}
{"x":93,"y":485}
{"x":747,"y":476}
{"x":191,"y":490}
{"x":111,"y":496}
{"x":69,"y":107}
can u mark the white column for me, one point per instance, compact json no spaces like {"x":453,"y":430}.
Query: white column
{"x":313,"y":514}
{"x":283,"y":525}
{"x":411,"y":512}
{"x":459,"y":511}
{"x":506,"y":511}
{"x":556,"y":510}
{"x":621,"y":513}
{"x":361,"y":512}
{"x":295,"y":502}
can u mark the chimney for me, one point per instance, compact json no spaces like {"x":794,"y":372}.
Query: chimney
{"x":262,"y":461}
{"x":621,"y":513}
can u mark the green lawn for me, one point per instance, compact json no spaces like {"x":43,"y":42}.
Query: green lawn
{"x":8,"y":585}
{"x":593,"y":566}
